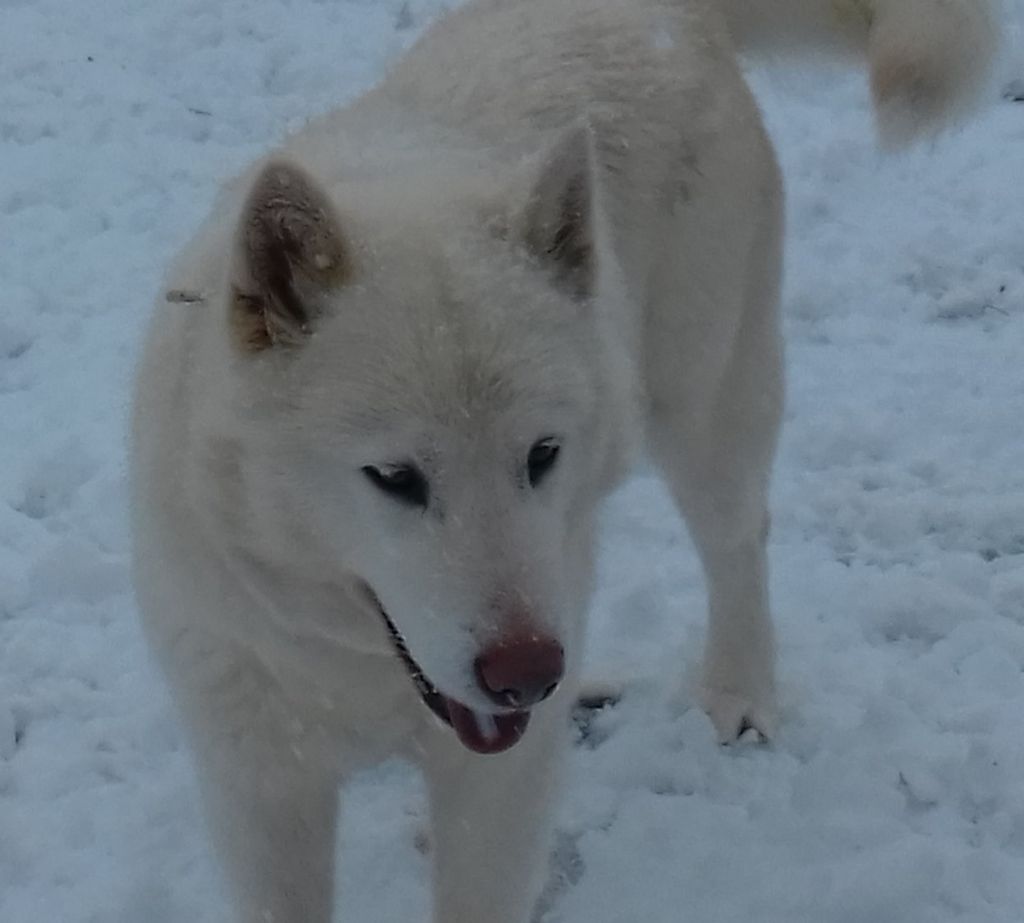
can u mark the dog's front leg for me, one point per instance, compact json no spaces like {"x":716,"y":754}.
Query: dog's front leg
{"x":270,"y":800}
{"x":492,"y":818}
{"x":276,"y":844}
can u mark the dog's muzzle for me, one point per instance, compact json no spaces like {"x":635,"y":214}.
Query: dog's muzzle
{"x":506,"y":673}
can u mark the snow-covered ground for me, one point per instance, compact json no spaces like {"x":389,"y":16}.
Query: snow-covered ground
{"x":895,"y":791}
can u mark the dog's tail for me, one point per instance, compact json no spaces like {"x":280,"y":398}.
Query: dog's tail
{"x":928,"y":59}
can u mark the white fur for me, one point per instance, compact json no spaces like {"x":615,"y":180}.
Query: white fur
{"x":448,"y":340}
{"x":928,"y":59}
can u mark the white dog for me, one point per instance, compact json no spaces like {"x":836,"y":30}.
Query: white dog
{"x":423,"y":340}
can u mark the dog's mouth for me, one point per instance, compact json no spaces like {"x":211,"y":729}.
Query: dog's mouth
{"x":481,"y":732}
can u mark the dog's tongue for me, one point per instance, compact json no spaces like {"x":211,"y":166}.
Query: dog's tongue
{"x":483,"y":733}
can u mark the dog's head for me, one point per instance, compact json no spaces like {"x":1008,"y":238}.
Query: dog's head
{"x":428,"y":388}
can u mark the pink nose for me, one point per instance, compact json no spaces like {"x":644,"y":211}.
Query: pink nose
{"x":521,"y":671}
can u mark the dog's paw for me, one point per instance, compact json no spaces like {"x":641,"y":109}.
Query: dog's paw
{"x":740,"y":717}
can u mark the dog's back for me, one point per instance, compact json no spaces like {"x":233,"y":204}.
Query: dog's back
{"x":501,"y":64}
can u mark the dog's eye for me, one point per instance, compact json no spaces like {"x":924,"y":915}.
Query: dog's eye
{"x":541,"y":460}
{"x":405,"y":483}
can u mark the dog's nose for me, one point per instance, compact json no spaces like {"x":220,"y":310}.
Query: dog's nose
{"x":520,"y":672}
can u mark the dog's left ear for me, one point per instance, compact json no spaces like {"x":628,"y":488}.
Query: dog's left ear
{"x":288,"y":252}
{"x":557,"y":222}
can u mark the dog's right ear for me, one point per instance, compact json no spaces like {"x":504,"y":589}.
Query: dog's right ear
{"x":288,"y":253}
{"x":554,"y":219}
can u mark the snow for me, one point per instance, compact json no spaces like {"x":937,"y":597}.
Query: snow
{"x":895,"y":791}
